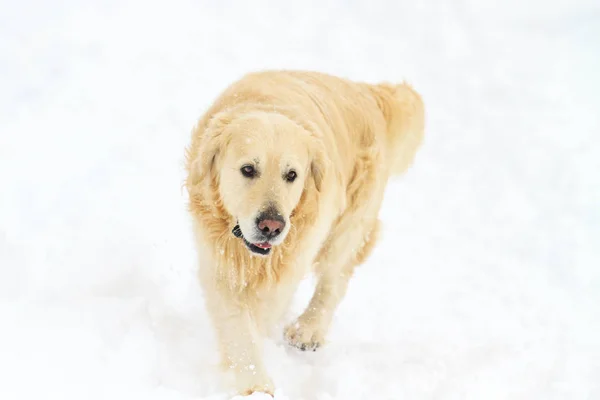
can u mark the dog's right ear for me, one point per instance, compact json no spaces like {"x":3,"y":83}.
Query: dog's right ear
{"x":211,"y":141}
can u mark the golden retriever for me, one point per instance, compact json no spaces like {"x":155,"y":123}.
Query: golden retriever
{"x":286,"y":173}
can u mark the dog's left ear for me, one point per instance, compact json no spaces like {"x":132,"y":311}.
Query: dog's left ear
{"x":319,"y":165}
{"x":317,"y":170}
{"x":324,"y":174}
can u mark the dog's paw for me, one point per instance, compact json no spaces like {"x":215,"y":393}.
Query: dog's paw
{"x":266,"y":390}
{"x":255,"y":383}
{"x":255,"y":396}
{"x":304,"y":336}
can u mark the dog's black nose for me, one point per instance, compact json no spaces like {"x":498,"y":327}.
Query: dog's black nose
{"x":270,"y":224}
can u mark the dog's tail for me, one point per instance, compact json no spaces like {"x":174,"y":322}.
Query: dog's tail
{"x":404,"y":112}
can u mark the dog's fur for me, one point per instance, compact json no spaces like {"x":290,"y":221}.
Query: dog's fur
{"x":344,"y":140}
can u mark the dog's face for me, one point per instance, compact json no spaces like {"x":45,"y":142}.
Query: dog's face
{"x":263,"y":161}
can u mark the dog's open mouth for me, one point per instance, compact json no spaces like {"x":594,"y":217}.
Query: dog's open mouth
{"x":263,"y":248}
{"x":260,"y":248}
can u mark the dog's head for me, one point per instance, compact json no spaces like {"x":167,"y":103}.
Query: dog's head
{"x":263,"y":162}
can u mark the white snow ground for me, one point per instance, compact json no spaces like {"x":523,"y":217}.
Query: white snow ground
{"x":486,"y":284}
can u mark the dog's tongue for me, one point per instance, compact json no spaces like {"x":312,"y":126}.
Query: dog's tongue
{"x":264,"y":245}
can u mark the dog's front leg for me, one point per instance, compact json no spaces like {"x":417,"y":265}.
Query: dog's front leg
{"x":334,"y":268}
{"x":239,"y":340}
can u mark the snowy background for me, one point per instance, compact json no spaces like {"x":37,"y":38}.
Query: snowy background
{"x":486,"y":284}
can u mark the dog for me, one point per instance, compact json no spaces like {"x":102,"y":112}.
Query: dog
{"x":286,"y":173}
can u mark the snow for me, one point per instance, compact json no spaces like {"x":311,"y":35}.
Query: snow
{"x":486,"y":283}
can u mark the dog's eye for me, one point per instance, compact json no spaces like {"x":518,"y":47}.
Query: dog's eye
{"x":291,"y":176}
{"x":248,"y":171}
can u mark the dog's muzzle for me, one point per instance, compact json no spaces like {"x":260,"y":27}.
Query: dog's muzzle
{"x":262,"y":249}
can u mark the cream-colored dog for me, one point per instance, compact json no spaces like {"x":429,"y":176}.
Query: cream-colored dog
{"x":286,"y":174}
